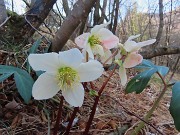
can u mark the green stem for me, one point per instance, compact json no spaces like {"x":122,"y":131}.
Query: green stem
{"x":156,"y":103}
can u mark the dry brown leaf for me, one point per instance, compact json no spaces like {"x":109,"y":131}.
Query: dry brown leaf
{"x":100,"y":125}
{"x":16,"y":121}
{"x":13,"y":105}
{"x":113,"y":124}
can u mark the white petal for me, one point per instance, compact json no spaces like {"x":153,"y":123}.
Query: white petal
{"x":123,"y":76}
{"x":106,"y":56}
{"x":98,"y":49}
{"x":133,"y":37}
{"x":90,"y":70}
{"x":145,"y":43}
{"x":45,"y":87}
{"x":107,"y":38}
{"x":82,"y":40}
{"x":45,"y":62}
{"x":98,"y":27}
{"x":72,"y":57}
{"x":89,"y":50}
{"x":130,"y":46}
{"x":74,"y":96}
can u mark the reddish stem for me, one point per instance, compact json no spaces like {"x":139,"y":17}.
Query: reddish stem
{"x":96,"y":103}
{"x":71,"y":120}
{"x":58,"y":116}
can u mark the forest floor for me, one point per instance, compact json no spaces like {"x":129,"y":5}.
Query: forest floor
{"x":117,"y":113}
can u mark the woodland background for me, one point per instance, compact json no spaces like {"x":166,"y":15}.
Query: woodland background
{"x":57,"y":23}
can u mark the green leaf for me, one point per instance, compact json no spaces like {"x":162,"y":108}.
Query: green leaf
{"x":140,"y":81}
{"x":5,"y":76}
{"x":93,"y":93}
{"x":35,"y":46}
{"x":23,"y":80}
{"x":145,"y":64}
{"x":175,"y":105}
{"x":162,"y":70}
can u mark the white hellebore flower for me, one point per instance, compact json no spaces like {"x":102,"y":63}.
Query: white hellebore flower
{"x":128,"y":56}
{"x":64,"y":71}
{"x":98,"y":41}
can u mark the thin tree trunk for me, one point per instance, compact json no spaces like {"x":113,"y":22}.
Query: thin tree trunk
{"x":79,"y":12}
{"x":116,"y":17}
{"x":3,"y":14}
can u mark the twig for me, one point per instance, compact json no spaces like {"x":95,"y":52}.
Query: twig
{"x":96,"y":102}
{"x":131,"y":113}
{"x":36,"y":30}
{"x":5,"y":21}
{"x":71,"y":120}
{"x":58,"y":116}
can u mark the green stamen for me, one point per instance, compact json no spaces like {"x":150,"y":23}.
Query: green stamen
{"x":66,"y":77}
{"x":93,"y":41}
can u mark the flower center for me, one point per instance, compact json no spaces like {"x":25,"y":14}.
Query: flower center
{"x":93,"y":40}
{"x":66,"y":77}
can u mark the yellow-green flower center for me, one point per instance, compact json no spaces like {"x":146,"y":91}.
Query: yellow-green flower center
{"x":67,"y":77}
{"x":93,"y":40}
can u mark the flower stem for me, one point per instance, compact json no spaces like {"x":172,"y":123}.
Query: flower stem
{"x":71,"y":120}
{"x":156,"y":103}
{"x":56,"y":127}
{"x":96,"y":102}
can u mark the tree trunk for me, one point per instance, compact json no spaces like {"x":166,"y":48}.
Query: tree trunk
{"x":3,"y":14}
{"x":79,"y":12}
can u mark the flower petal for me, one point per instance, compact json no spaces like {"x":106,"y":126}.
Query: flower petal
{"x":123,"y":76}
{"x":132,"y":60}
{"x":107,"y":38}
{"x":72,"y":58}
{"x":82,"y":40}
{"x":45,"y":62}
{"x":145,"y":43}
{"x":45,"y":87}
{"x":74,"y":96}
{"x":118,"y":56}
{"x":107,"y":54}
{"x":89,"y":50}
{"x":130,"y":46}
{"x":98,"y":49}
{"x":98,"y":27}
{"x":133,"y":37}
{"x":90,"y":70}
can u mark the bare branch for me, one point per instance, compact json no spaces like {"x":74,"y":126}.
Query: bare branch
{"x":79,"y":12}
{"x":167,"y":50}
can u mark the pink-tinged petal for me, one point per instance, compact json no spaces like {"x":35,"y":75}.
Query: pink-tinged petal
{"x":107,"y":55}
{"x":98,"y":27}
{"x":75,"y":95}
{"x":45,"y":87}
{"x":107,"y":38}
{"x":133,"y":37}
{"x":132,"y":60}
{"x":145,"y":43}
{"x":123,"y":76}
{"x":82,"y":40}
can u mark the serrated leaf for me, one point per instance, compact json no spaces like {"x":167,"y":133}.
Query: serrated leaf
{"x":140,"y":81}
{"x":5,"y":76}
{"x":162,"y":70}
{"x":175,"y":105}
